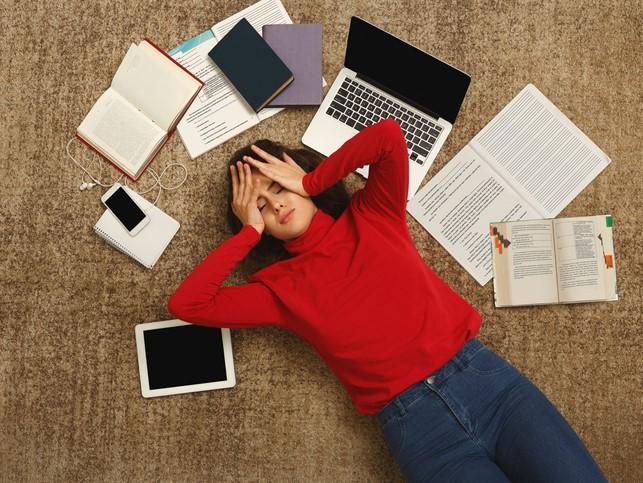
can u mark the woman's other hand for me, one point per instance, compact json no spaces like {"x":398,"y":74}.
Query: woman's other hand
{"x":287,"y":172}
{"x":245,"y":191}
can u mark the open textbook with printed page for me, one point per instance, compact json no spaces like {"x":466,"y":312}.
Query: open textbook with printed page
{"x":137,"y":114}
{"x":219,"y":112}
{"x":529,"y":162}
{"x":556,"y":261}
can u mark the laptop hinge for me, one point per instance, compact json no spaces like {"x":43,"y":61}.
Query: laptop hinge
{"x":434,"y":115}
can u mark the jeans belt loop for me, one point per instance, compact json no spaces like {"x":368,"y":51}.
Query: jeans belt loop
{"x":400,"y":407}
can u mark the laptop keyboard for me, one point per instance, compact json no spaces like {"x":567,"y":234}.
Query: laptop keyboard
{"x":358,"y":106}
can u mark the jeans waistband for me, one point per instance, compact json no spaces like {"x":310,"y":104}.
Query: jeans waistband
{"x":398,"y":405}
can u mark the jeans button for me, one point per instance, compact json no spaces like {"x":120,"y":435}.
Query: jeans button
{"x":430,"y":379}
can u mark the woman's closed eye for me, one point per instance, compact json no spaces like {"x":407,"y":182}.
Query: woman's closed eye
{"x":264,"y":205}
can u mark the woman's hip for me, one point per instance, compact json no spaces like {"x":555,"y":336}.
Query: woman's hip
{"x":474,"y":372}
{"x":475,"y":412}
{"x":436,"y":420}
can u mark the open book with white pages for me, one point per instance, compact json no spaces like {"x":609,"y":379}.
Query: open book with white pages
{"x":137,"y":114}
{"x":220,"y":112}
{"x":558,"y":261}
{"x":529,"y":162}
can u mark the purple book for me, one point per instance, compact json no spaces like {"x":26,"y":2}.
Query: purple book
{"x":299,"y":47}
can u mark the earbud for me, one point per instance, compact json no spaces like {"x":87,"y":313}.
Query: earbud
{"x":86,"y":186}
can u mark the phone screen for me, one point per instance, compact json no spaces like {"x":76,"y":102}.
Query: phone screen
{"x":125,"y":209}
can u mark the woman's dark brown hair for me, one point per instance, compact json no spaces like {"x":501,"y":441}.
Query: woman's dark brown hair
{"x":333,"y":201}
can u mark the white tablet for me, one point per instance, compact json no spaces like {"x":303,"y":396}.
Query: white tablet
{"x":175,"y":357}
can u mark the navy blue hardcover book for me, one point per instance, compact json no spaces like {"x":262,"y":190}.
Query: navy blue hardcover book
{"x":254,"y":69}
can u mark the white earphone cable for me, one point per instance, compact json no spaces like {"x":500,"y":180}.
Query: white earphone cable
{"x":157,"y":177}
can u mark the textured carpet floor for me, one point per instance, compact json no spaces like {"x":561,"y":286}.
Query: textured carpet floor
{"x":70,"y":404}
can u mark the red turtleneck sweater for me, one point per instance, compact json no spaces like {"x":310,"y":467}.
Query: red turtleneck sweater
{"x":355,"y":288}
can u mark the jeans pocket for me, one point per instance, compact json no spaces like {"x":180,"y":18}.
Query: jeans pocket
{"x":394,"y":435}
{"x":485,"y":361}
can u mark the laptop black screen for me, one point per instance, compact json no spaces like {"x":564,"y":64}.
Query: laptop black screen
{"x":414,"y":76}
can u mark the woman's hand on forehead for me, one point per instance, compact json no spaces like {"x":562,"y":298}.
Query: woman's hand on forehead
{"x":287,"y":172}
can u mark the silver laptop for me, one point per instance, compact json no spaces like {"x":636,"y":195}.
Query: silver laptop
{"x":385,"y":77}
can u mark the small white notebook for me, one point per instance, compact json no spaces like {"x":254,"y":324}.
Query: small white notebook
{"x":150,"y":243}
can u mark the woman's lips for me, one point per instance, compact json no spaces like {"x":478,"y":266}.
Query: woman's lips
{"x":287,"y":217}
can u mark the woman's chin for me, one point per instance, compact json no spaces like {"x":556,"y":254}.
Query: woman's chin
{"x":291,"y":231}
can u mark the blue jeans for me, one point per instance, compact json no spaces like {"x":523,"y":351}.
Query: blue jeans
{"x":477,"y":419}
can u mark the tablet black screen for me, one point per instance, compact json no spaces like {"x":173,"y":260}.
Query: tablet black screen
{"x":184,"y":355}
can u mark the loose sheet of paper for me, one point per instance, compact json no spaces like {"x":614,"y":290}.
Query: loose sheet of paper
{"x":528,"y":162}
{"x":457,"y":205}
{"x":540,"y":152}
{"x":220,"y":112}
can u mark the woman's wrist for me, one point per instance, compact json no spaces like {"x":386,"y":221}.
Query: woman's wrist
{"x":303,"y":185}
{"x":258,"y":229}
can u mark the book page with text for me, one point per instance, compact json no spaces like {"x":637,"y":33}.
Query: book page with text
{"x":155,"y":85}
{"x":457,"y":205}
{"x":524,"y":263}
{"x":540,"y":152}
{"x":584,"y":253}
{"x":264,"y":12}
{"x":219,"y":112}
{"x":120,"y":131}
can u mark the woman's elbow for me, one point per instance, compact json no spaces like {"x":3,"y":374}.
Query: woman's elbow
{"x":394,"y":134}
{"x":177,"y":307}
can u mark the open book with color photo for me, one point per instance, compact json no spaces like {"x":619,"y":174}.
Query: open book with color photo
{"x":132,"y":119}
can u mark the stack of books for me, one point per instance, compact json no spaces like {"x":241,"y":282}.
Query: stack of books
{"x":221,"y":111}
{"x":282,"y":68}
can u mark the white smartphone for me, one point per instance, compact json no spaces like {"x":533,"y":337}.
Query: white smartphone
{"x":125,"y":209}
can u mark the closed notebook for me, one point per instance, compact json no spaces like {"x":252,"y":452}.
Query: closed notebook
{"x":254,"y":69}
{"x":150,"y":243}
{"x":300,"y":47}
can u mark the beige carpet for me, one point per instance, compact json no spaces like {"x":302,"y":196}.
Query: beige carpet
{"x":70,"y":403}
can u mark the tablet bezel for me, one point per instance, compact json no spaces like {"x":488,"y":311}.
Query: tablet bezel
{"x":230,"y":380}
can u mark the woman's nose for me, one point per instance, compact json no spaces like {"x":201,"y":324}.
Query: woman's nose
{"x":277,"y":206}
{"x":275,"y":202}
